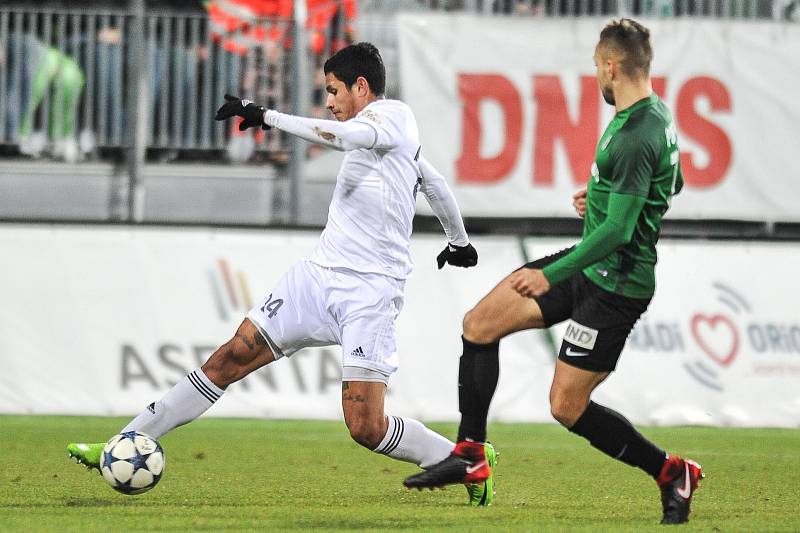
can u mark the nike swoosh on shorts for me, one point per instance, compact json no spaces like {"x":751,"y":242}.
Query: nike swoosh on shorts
{"x":573,"y":353}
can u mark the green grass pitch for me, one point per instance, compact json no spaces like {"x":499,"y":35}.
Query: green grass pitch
{"x":240,"y":475}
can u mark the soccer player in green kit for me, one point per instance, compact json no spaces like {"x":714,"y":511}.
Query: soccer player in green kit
{"x":602,"y":285}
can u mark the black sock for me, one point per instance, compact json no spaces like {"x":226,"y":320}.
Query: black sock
{"x":478,"y":370}
{"x":614,"y":435}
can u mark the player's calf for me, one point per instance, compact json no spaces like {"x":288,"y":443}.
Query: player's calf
{"x":368,"y":433}
{"x":567,"y":411}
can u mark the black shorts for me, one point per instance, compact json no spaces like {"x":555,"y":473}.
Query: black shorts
{"x":600,"y":321}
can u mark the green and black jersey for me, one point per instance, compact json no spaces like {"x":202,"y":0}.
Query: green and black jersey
{"x":634,"y":176}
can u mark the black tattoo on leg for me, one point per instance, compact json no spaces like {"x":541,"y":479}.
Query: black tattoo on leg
{"x":351,"y":398}
{"x":259,"y":339}
{"x":347,"y":397}
{"x":246,"y":341}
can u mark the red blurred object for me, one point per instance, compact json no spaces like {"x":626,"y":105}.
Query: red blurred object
{"x":240,"y":25}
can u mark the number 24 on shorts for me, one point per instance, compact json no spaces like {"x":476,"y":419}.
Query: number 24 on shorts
{"x":271,"y":305}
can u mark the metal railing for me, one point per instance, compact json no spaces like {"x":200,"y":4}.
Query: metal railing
{"x":745,"y":9}
{"x":64,"y":75}
{"x":116,"y":85}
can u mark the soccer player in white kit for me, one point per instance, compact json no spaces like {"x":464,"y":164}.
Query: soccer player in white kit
{"x":351,"y":289}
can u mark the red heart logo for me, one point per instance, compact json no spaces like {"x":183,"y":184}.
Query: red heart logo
{"x":711,"y":323}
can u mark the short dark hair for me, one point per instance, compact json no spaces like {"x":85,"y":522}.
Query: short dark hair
{"x":630,"y":40}
{"x":360,"y":59}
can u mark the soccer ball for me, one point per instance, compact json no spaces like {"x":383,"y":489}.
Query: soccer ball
{"x":132,"y":462}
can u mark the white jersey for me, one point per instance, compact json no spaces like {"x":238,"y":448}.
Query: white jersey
{"x":350,"y":291}
{"x":373,"y":205}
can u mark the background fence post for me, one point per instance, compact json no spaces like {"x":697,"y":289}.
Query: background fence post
{"x":138,"y":89}
{"x":301,"y":93}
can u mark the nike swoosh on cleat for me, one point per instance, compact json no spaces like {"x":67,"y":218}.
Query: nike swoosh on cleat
{"x":471,"y":469}
{"x":686,"y":491}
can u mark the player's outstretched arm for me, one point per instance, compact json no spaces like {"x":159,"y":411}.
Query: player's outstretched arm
{"x":344,"y":136}
{"x":458,"y":252}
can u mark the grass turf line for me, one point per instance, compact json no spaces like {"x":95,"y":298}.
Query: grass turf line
{"x":302,"y":475}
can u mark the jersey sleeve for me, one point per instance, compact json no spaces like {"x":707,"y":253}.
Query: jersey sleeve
{"x":635,"y":157}
{"x":387,"y":123}
{"x":443,"y":203}
{"x":615,"y":231}
{"x":345,"y":136}
{"x":678,"y":180}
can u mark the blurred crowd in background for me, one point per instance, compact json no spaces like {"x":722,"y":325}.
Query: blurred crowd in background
{"x":64,"y":66}
{"x":63,"y":69}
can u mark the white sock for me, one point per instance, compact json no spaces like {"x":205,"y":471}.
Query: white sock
{"x":409,"y":440}
{"x":188,"y":399}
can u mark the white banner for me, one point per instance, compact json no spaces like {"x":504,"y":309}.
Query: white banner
{"x":720,"y":342}
{"x":104,"y":320}
{"x":509,"y":108}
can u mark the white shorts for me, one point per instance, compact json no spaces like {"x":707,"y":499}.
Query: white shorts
{"x":314,"y":305}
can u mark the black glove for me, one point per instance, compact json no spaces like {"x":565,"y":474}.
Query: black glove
{"x":253,"y":114}
{"x":460,"y":256}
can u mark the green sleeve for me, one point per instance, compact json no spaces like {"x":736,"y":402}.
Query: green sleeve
{"x":615,"y":231}
{"x":635,"y":155}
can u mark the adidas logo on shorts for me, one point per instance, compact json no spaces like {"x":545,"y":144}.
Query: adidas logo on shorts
{"x":358,"y":352}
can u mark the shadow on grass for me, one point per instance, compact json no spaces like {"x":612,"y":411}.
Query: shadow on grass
{"x":354,"y":523}
{"x":105,"y":502}
{"x":73,"y":502}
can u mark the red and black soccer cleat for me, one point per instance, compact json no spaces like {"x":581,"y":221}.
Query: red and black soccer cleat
{"x":466,"y":464}
{"x":678,"y":480}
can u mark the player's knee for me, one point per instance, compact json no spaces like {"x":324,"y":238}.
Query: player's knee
{"x":565,"y":410}
{"x":365,"y":432}
{"x":478,"y":327}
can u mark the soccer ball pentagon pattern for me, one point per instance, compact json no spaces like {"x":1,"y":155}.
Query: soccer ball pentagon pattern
{"x":132,"y":462}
